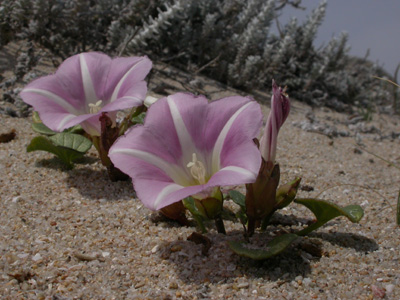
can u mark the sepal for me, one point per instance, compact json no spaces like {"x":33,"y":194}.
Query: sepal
{"x":286,"y":193}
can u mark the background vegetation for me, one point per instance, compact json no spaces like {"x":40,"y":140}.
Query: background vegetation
{"x":228,"y":40}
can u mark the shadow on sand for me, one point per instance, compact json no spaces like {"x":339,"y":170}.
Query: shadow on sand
{"x":348,"y":240}
{"x":92,"y":184}
{"x":222,"y":265}
{"x":95,"y":184}
{"x":57,"y":164}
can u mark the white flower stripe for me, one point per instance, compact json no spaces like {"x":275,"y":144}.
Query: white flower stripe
{"x":173,"y":187}
{"x":90,"y":93}
{"x":185,"y":139}
{"x":174,"y":172}
{"x":64,"y":121}
{"x":216,"y":155}
{"x":55,"y":98}
{"x":240,"y":170}
{"x":122,"y":80}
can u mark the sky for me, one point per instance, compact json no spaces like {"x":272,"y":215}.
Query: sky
{"x":371,"y":24}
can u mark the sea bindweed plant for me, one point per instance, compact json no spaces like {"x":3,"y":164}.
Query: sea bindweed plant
{"x":87,"y":90}
{"x":187,"y":149}
{"x":264,"y":197}
{"x":181,"y":153}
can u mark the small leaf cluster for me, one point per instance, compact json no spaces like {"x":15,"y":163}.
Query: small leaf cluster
{"x":323,"y":210}
{"x":68,"y":146}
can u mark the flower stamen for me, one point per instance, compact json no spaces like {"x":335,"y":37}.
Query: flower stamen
{"x":284,"y":93}
{"x":197,"y":169}
{"x":95,"y":108}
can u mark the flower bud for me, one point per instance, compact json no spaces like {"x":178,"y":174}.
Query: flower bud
{"x":280,"y":107}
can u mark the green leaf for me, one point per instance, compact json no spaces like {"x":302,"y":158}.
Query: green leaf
{"x":42,"y":129}
{"x":72,"y":141}
{"x":274,"y":247}
{"x":138,"y":119}
{"x":238,"y":198}
{"x":41,"y":143}
{"x":190,"y":204}
{"x":76,"y":129}
{"x":36,"y":118}
{"x":325,"y":211}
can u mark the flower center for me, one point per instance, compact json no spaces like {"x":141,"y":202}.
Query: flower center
{"x":197,"y":169}
{"x":95,"y":108}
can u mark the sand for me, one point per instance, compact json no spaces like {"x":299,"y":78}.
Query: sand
{"x":74,"y":234}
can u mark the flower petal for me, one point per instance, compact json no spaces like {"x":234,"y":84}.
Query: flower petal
{"x":49,"y":97}
{"x":125,"y":73}
{"x":38,"y":95}
{"x":141,"y":145}
{"x":170,"y":170}
{"x":243,"y":125}
{"x":159,"y":136}
{"x":157,"y":182}
{"x":232,"y":175}
{"x":131,"y":99}
{"x":180,"y":109}
{"x":83,"y":77}
{"x":53,"y":110}
{"x":157,"y":194}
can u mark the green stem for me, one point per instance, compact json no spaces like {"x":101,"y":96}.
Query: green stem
{"x":266,"y":220}
{"x":251,"y":226}
{"x":199,"y":222}
{"x":127,"y":122}
{"x":113,"y":173}
{"x":105,"y":160}
{"x":219,"y":223}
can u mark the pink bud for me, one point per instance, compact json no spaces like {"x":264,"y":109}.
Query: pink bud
{"x":280,"y":107}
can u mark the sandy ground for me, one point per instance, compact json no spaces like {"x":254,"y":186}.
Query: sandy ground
{"x":73,"y":234}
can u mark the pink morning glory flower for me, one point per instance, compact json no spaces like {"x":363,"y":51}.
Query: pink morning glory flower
{"x":280,"y":107}
{"x":188,"y":147}
{"x":86,"y":85}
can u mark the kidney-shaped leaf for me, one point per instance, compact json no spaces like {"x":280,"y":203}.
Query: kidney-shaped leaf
{"x":65,"y":154}
{"x":274,"y":247}
{"x":72,"y":141}
{"x":238,"y":198}
{"x":325,"y":211}
{"x":42,"y":129}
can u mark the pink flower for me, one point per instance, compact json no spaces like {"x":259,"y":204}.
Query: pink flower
{"x":280,"y":107}
{"x":188,"y":147}
{"x":86,"y":85}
